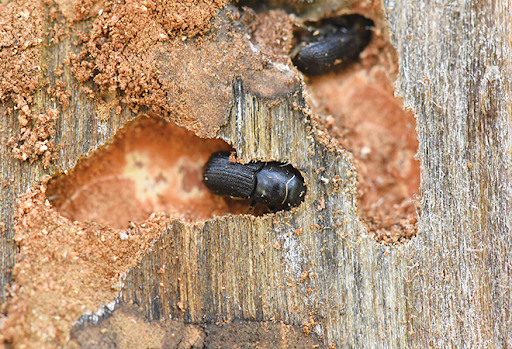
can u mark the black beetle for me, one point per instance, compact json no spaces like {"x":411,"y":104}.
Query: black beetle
{"x":270,"y":183}
{"x":334,"y":44}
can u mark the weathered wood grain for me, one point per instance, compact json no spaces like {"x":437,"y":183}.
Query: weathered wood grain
{"x":448,"y":287}
{"x":455,"y":71}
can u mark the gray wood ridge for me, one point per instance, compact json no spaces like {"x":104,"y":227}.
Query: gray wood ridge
{"x":455,"y":70}
{"x":312,"y":265}
{"x":448,"y":287}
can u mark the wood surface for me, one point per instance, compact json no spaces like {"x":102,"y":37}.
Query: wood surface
{"x":447,"y":287}
{"x":454,"y":66}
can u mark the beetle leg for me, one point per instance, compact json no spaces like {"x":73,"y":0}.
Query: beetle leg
{"x":253,"y":203}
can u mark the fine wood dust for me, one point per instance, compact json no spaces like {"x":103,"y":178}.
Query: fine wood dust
{"x":357,"y":107}
{"x":21,"y":38}
{"x":65,"y":269}
{"x":179,"y":62}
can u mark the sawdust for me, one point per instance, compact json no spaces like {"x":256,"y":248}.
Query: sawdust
{"x":58,"y":93}
{"x":153,"y":56}
{"x":83,"y":9}
{"x":117,"y":51}
{"x":21,"y":37}
{"x":65,"y":269}
{"x":272,"y":32}
{"x":34,"y":142}
{"x":127,"y":328}
{"x":356,"y":107}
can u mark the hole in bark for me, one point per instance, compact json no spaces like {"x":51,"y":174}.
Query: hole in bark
{"x":356,"y":103}
{"x":358,"y":108}
{"x":151,"y":166}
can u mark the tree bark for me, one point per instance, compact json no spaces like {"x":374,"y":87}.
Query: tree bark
{"x":316,"y":266}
